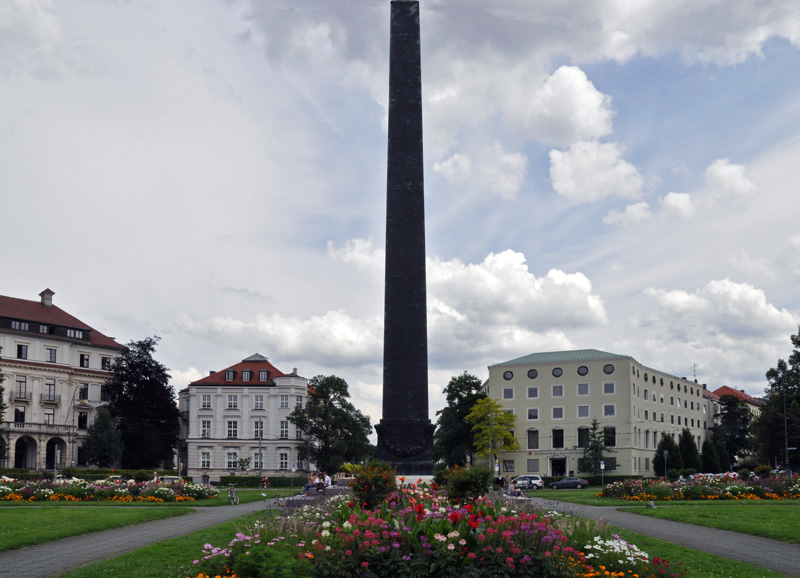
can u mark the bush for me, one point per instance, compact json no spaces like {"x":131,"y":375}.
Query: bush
{"x":373,"y":484}
{"x":762,"y":470}
{"x":467,"y":483}
{"x":440,"y":474}
{"x":672,"y":474}
{"x":748,"y":463}
{"x":142,"y":476}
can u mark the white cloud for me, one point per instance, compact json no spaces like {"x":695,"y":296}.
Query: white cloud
{"x":503,"y":172}
{"x":590,"y":171}
{"x":635,"y":213}
{"x":679,"y":205}
{"x":725,"y":180}
{"x":456,"y":169}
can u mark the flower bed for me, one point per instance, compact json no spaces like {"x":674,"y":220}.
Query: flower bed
{"x":705,"y":488}
{"x":417,"y":531}
{"x":101,"y":491}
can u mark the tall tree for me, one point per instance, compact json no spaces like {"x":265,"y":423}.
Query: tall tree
{"x":334,"y":430}
{"x":689,"y":453}
{"x":103,"y":441}
{"x":733,"y":429}
{"x":143,"y":406}
{"x":778,"y":424}
{"x":493,"y":428}
{"x":453,"y":440}
{"x":595,"y":451}
{"x":674,"y":459}
{"x":710,"y":459}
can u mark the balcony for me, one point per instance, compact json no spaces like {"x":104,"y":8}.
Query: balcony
{"x":21,"y":396}
{"x":37,"y":428}
{"x":48,"y":398}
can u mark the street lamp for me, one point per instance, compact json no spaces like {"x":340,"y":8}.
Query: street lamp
{"x":666,"y":457}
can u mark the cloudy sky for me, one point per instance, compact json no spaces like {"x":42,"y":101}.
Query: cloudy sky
{"x":606,"y":174}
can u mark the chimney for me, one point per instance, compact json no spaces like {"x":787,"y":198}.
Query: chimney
{"x":47,"y":297}
{"x":294,"y":371}
{"x":211,"y":372}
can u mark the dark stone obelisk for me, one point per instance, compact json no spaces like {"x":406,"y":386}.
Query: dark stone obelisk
{"x":405,"y":434}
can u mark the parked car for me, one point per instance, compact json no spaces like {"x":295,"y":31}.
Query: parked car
{"x":529,"y":482}
{"x":569,"y":483}
{"x":170,"y":479}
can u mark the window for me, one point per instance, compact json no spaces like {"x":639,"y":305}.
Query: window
{"x":283,"y":461}
{"x":558,"y":372}
{"x":508,"y":466}
{"x":105,"y":393}
{"x":691,"y":405}
{"x":645,"y":395}
{"x":533,"y":439}
{"x":609,"y":388}
{"x":246,"y":374}
{"x":205,"y":402}
{"x":83,"y":420}
{"x":20,"y":325}
{"x":583,"y":370}
{"x":558,"y":391}
{"x":508,"y":375}
{"x":284,"y":401}
{"x":205,"y":460}
{"x":21,"y":390}
{"x":233,"y":429}
{"x":205,"y":428}
{"x":258,"y":429}
{"x":50,"y":355}
{"x":22,"y":351}
{"x":258,"y":401}
{"x":558,"y":439}
{"x":233,"y":401}
{"x":671,"y":400}
{"x":610,"y":436}
{"x":558,"y":413}
{"x":647,"y":464}
{"x":610,"y":410}
{"x":679,"y":420}
{"x":583,"y":389}
{"x":533,"y":374}
{"x":232,"y":460}
{"x":77,"y":333}
{"x":533,"y":465}
{"x":533,"y":392}
{"x":284,"y":429}
{"x":647,"y":439}
{"x":583,"y":411}
{"x":84,"y":360}
{"x":299,"y":402}
{"x":646,"y":415}
{"x":608,"y":369}
{"x":257,"y":465}
{"x":49,"y":416}
{"x":83,"y":391}
{"x":263,"y":375}
{"x":583,"y":437}
{"x":19,"y":415}
{"x":671,"y":418}
{"x":229,"y":375}
{"x":508,"y":393}
{"x":533,"y":413}
{"x":50,"y":390}
{"x":662,"y":417}
{"x":105,"y":363}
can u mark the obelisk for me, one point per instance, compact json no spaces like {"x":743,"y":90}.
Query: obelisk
{"x":405,"y":434}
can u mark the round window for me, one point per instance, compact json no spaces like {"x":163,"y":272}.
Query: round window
{"x":608,"y":369}
{"x":533,"y":374}
{"x":583,"y":370}
{"x":508,"y":375}
{"x":557,"y":372}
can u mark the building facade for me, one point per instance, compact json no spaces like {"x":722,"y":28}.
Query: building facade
{"x":556,"y":395}
{"x":238,"y":413}
{"x":55,"y":368}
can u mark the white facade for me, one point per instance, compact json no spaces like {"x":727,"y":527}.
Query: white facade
{"x":55,"y":367}
{"x":241,"y":412}
{"x":556,"y":395}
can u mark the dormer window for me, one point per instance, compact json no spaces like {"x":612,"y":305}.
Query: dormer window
{"x":76,"y":333}
{"x":19,"y":325}
{"x":229,"y":375}
{"x":246,"y":375}
{"x":263,"y":375}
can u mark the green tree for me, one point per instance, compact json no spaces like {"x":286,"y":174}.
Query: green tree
{"x":493,"y":428}
{"x":103,"y":441}
{"x":709,"y":458}
{"x":674,"y":457}
{"x":723,"y":456}
{"x":453,"y":440}
{"x":733,"y":429}
{"x":142,"y":404}
{"x":689,"y":453}
{"x":334,"y":431}
{"x":595,"y":451}
{"x":244,"y":463}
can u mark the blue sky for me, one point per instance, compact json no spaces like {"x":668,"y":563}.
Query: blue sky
{"x":598,"y":175}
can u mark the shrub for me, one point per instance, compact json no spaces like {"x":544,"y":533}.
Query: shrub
{"x":142,"y":476}
{"x":467,"y":483}
{"x":374,"y":483}
{"x":660,"y":490}
{"x":762,"y":470}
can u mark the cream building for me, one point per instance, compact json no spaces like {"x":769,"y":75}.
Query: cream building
{"x":238,"y":413}
{"x":556,"y":395}
{"x":55,"y":367}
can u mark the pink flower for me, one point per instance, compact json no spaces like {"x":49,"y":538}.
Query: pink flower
{"x":365,"y":564}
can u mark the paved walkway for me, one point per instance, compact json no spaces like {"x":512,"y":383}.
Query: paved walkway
{"x":55,"y":558}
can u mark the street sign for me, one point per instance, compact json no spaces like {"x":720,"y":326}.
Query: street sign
{"x":294,"y":467}
{"x":602,"y":465}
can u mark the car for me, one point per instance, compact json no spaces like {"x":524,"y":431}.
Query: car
{"x":569,"y":483}
{"x":170,"y":479}
{"x":529,"y":482}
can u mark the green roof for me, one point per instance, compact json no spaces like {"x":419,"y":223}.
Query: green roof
{"x":562,"y":356}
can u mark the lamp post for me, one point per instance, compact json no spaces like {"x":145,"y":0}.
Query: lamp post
{"x":666,"y":457}
{"x":260,"y":437}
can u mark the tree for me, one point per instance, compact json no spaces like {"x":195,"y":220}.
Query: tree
{"x":453,"y":440}
{"x":244,"y":463}
{"x":492,"y":427}
{"x":733,"y":429}
{"x":689,"y":453}
{"x":335,"y":431}
{"x":674,"y":458}
{"x":595,"y":451}
{"x":103,"y":441}
{"x":142,"y":403}
{"x":710,"y":459}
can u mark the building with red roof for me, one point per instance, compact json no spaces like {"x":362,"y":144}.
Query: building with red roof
{"x":55,"y":367}
{"x":753,"y":403}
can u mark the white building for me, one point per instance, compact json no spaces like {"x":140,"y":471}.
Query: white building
{"x":238,"y":413}
{"x":555,"y":396}
{"x":55,"y":367}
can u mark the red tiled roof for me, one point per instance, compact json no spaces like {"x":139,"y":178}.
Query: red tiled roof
{"x":725,"y":390}
{"x":707,"y":393}
{"x":37,"y":312}
{"x":254,"y":363}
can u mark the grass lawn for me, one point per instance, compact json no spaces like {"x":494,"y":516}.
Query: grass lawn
{"x":776,"y":520}
{"x":585,"y":496}
{"x":32,"y":525}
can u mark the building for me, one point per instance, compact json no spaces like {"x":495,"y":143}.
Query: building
{"x":753,"y":403}
{"x":55,"y":367}
{"x":556,"y":395}
{"x":240,"y":413}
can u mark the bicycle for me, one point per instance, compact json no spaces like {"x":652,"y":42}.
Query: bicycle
{"x":233,"y":495}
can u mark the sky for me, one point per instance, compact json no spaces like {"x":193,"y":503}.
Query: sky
{"x":605,"y":174}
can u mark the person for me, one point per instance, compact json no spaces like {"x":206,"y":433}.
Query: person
{"x":310,"y":481}
{"x":265,"y":482}
{"x":326,"y":479}
{"x":499,"y":482}
{"x":513,"y":491}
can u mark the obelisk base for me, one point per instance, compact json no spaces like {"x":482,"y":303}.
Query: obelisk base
{"x":407,"y":444}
